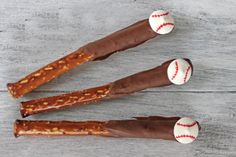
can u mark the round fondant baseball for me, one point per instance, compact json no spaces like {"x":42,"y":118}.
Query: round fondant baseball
{"x":161,"y":22}
{"x":186,"y":130}
{"x":179,"y":71}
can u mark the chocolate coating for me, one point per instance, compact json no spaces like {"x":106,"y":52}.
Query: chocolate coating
{"x":128,"y":37}
{"x":156,"y":77}
{"x":159,"y":127}
{"x":143,"y":127}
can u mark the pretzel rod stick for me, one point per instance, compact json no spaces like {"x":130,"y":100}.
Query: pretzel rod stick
{"x":63,"y":101}
{"x":58,"y":128}
{"x":47,"y":73}
{"x":155,"y":77}
{"x":184,"y":130}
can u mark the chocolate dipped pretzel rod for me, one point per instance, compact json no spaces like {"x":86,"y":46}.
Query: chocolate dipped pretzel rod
{"x":176,"y":71}
{"x":184,"y":130}
{"x":160,"y":22}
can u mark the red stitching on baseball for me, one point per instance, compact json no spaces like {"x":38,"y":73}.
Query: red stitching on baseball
{"x":187,"y":125}
{"x":164,"y":24}
{"x":164,"y":14}
{"x":186,"y":74}
{"x":185,"y":136}
{"x":176,"y":70}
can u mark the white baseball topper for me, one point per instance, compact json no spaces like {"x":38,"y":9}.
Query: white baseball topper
{"x":179,"y":71}
{"x":161,"y":22}
{"x":186,"y":130}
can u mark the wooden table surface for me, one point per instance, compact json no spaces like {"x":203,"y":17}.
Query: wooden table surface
{"x":34,"y":33}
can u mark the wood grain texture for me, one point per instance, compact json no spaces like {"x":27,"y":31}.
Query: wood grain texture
{"x":34,"y":33}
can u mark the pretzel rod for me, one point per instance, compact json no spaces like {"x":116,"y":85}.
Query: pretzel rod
{"x":167,"y":128}
{"x":100,"y":49}
{"x":63,"y":101}
{"x":155,"y":77}
{"x":60,"y":128}
{"x":47,"y":73}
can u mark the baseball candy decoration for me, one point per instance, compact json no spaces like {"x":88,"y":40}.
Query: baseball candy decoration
{"x":179,"y":71}
{"x":161,"y":22}
{"x":186,"y":130}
